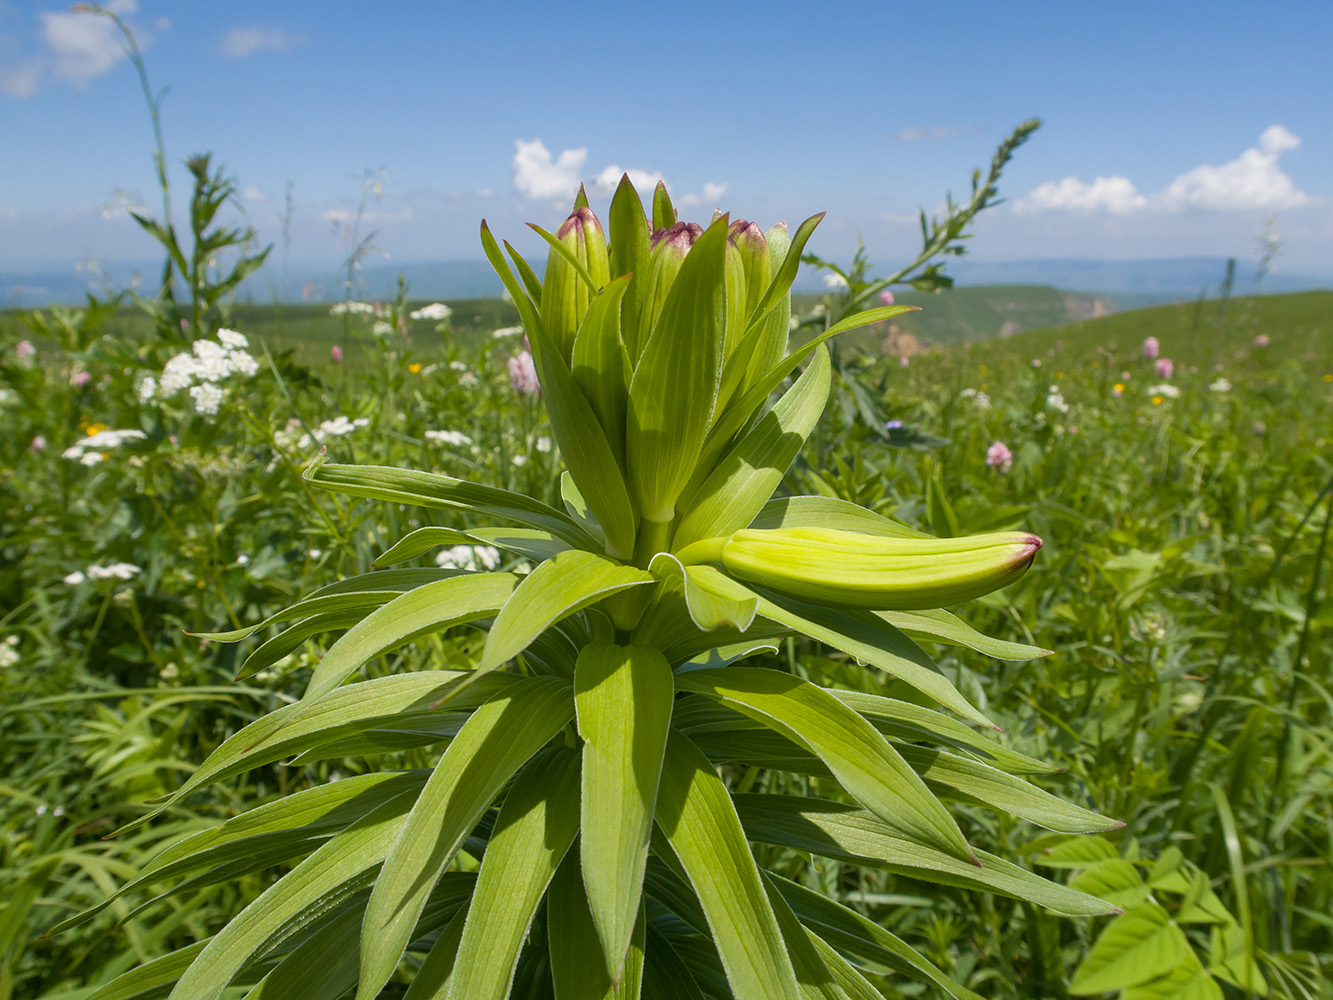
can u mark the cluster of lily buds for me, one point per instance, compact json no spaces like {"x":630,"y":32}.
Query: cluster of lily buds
{"x":658,"y":346}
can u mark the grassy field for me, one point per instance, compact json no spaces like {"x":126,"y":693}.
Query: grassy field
{"x":1182,"y":587}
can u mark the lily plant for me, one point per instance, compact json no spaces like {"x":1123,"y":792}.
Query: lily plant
{"x":578,"y":837}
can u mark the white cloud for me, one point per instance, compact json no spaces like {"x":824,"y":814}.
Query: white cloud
{"x":537,"y":176}
{"x":712,"y":194}
{"x":1116,"y":195}
{"x":916,"y":133}
{"x":1252,"y":180}
{"x":253,"y":193}
{"x":85,"y":44}
{"x":643,"y":180}
{"x":242,"y":42}
{"x":23,"y":80}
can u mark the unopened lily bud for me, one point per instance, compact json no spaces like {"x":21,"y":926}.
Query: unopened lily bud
{"x":832,"y":566}
{"x":668,"y":249}
{"x":565,"y":295}
{"x":752,"y":251}
{"x":772,"y":343}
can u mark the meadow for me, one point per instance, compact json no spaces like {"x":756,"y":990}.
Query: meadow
{"x":1182,"y":588}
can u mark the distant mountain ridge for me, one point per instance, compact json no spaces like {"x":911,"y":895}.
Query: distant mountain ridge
{"x":1127,"y":283}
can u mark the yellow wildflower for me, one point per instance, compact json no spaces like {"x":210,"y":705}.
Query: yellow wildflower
{"x":414,"y":368}
{"x":1157,"y":401}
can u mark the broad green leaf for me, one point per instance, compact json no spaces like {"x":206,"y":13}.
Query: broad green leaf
{"x":432,"y":978}
{"x":813,"y":976}
{"x":908,"y":723}
{"x":972,"y":781}
{"x":427,"y":489}
{"x":781,"y":283}
{"x":1117,"y":881}
{"x":846,"y":975}
{"x":857,"y":633}
{"x":304,"y":724}
{"x":738,"y":487}
{"x":721,"y":656}
{"x":600,"y":368}
{"x":579,"y":510}
{"x":861,"y":759}
{"x":1230,"y":959}
{"x":426,"y":610}
{"x":593,"y":460}
{"x":556,"y":589}
{"x":1081,"y":852}
{"x":1139,"y":945}
{"x":151,"y":978}
{"x":531,"y":543}
{"x":944,"y":626}
{"x":868,"y":944}
{"x":284,"y":826}
{"x":499,"y":738}
{"x":577,"y":965}
{"x":337,"y":871}
{"x":623,"y":697}
{"x":828,"y":512}
{"x":675,"y":383}
{"x":537,"y":823}
{"x":627,"y":232}
{"x":707,"y":608}
{"x":695,"y":813}
{"x":835,"y":830}
{"x":321,"y":968}
{"x":1184,"y":982}
{"x":404,"y":731}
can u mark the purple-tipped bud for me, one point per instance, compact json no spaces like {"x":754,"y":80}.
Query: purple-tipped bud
{"x":565,"y":295}
{"x":752,"y":250}
{"x":669,"y":246}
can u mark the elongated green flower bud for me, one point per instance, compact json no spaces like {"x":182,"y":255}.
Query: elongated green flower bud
{"x":831,"y":566}
{"x":772,"y":343}
{"x":669,"y":247}
{"x":565,"y":295}
{"x":752,"y":252}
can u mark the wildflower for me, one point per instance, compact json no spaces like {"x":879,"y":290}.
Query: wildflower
{"x":1261,"y":341}
{"x":544,"y":444}
{"x":998,"y":456}
{"x":350,"y":308}
{"x":1328,"y":378}
{"x":454,"y":439}
{"x":1167,"y":390}
{"x":903,"y":362}
{"x":7,"y":396}
{"x":893,"y":425}
{"x":1118,"y":390}
{"x":1165,"y":368}
{"x":147,"y":389}
{"x":979,"y":398}
{"x":1055,"y":400}
{"x":415,"y":368}
{"x":233,"y":340}
{"x":207,"y":398}
{"x":113,"y":571}
{"x":523,"y":374}
{"x":75,"y":578}
{"x":209,"y":361}
{"x":90,"y":450}
{"x":1157,"y":400}
{"x":1219,"y":385}
{"x":79,"y":379}
{"x":1151,"y":348}
{"x":381,"y":328}
{"x":38,"y":444}
{"x":25,"y":352}
{"x":336,"y":353}
{"x":9,"y":652}
{"x":506,"y":331}
{"x":520,"y":460}
{"x":1036,"y":362}
{"x":436,"y":312}
{"x":835,"y":282}
{"x":242,"y":560}
{"x":886,"y":298}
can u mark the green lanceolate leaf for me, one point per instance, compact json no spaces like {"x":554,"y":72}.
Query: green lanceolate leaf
{"x":944,"y":626}
{"x":322,"y":967}
{"x":666,"y":975}
{"x":592,"y":459}
{"x":707,"y":608}
{"x":579,"y":510}
{"x":432,"y":979}
{"x":813,"y":976}
{"x":499,"y":738}
{"x":427,"y":489}
{"x":867,"y":943}
{"x":426,"y":610}
{"x":1139,"y":945}
{"x":577,"y":965}
{"x":291,"y":639}
{"x":627,"y":231}
{"x":329,"y":604}
{"x":151,"y":979}
{"x":836,"y":830}
{"x":736,"y":490}
{"x":601,"y":369}
{"x":862,"y":760}
{"x":857,"y":633}
{"x":557,"y":588}
{"x":537,"y":823}
{"x":314,"y":722}
{"x":531,"y":543}
{"x":829,"y":512}
{"x":623,"y":696}
{"x":675,"y":383}
{"x":339,"y":869}
{"x":697,"y":817}
{"x":664,"y":214}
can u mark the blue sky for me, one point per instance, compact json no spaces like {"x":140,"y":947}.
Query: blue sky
{"x":1170,"y":129}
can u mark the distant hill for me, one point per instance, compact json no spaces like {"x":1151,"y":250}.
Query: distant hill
{"x":1164,"y":279}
